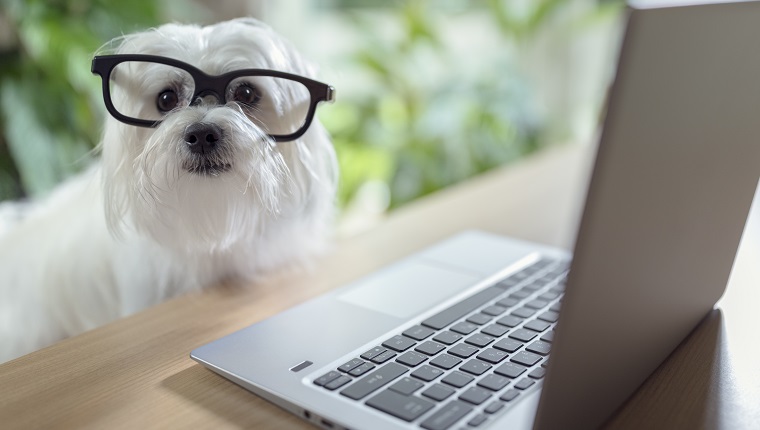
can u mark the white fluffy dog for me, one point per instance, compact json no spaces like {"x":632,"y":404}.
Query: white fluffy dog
{"x":205,"y":188}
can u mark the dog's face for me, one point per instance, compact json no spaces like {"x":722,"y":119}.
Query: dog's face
{"x":211,"y":174}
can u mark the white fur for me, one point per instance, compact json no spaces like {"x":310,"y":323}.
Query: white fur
{"x":137,"y":228}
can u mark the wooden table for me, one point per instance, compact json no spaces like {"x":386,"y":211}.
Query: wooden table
{"x":135,"y":373}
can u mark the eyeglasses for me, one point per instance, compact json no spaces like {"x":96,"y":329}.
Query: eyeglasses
{"x":141,"y":90}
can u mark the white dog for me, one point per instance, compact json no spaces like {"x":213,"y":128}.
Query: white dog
{"x":203,"y":177}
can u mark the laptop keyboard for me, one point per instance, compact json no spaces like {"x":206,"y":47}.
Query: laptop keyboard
{"x":465,"y":363}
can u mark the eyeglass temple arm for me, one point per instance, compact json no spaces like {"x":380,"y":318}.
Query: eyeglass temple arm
{"x":330,"y":94}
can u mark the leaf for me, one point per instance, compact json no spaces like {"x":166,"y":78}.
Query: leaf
{"x":30,"y":144}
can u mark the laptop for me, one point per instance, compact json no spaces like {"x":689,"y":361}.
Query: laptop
{"x":485,"y":331}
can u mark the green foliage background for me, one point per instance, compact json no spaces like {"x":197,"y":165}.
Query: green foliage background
{"x":416,"y":137}
{"x":50,"y":105}
{"x":402,"y":131}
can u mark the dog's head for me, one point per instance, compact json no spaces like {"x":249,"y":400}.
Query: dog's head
{"x":211,"y":140}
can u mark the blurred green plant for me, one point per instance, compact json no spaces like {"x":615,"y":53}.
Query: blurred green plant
{"x":410,"y":127}
{"x":418,"y":133}
{"x":50,"y":104}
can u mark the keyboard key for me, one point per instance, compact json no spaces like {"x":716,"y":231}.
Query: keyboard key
{"x":457,"y":379}
{"x":430,"y":348}
{"x":475,"y":367}
{"x":372,"y":353}
{"x":521,"y":275}
{"x":539,"y":347}
{"x":361,"y":370}
{"x":522,"y":335}
{"x":537,"y":325}
{"x":537,"y":304}
{"x":406,"y":385}
{"x":438,"y":392}
{"x":491,"y":355}
{"x":494,"y":407}
{"x":523,"y":312}
{"x":555,"y":307}
{"x":509,"y":395}
{"x":508,"y":302}
{"x":464,"y":327}
{"x":508,"y":345}
{"x":427,"y":373}
{"x":374,"y":380}
{"x":493,"y":310}
{"x":399,"y":343}
{"x":510,"y":370}
{"x":508,"y":283}
{"x":543,"y":262}
{"x":519,"y":295}
{"x":446,"y":416}
{"x":546,"y":279}
{"x":495,"y":330}
{"x":509,"y":321}
{"x":338,"y":382}
{"x":548,"y":296}
{"x":447,"y":337}
{"x":462,"y":350}
{"x":479,"y":318}
{"x":475,"y":395}
{"x":411,"y":358}
{"x":408,"y":408}
{"x":445,"y":361}
{"x":540,"y":283}
{"x":534,"y":286}
{"x":548,"y":336}
{"x":494,"y":382}
{"x":479,"y":339}
{"x":383,"y":357}
{"x":327,"y":377}
{"x":477,"y":420}
{"x":453,"y":313}
{"x":525,"y":358}
{"x":549,"y":316}
{"x":537,"y":373}
{"x":524,"y":384}
{"x":532,"y":269}
{"x":346,"y":367}
{"x":418,"y":332}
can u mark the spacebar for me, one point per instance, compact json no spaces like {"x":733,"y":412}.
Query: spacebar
{"x":448,"y":316}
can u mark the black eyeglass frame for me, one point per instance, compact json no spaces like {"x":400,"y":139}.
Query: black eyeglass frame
{"x":204,"y":84}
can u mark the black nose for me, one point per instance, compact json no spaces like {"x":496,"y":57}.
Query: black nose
{"x":202,"y":137}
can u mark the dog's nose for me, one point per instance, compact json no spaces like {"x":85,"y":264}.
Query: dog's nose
{"x":202,"y":137}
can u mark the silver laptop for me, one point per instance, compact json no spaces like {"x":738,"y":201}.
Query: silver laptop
{"x":483,"y":331}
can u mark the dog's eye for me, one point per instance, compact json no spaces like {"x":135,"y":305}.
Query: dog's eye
{"x":247,"y":94}
{"x":167,"y":101}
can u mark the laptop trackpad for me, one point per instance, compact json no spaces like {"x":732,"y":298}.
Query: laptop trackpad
{"x":408,"y":288}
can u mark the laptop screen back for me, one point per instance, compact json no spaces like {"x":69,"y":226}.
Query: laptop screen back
{"x":676,"y":171}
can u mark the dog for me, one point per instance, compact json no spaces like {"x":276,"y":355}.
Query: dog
{"x":193,"y":186}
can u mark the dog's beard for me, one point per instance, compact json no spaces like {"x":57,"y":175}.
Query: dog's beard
{"x":209,"y":202}
{"x":211,"y":164}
